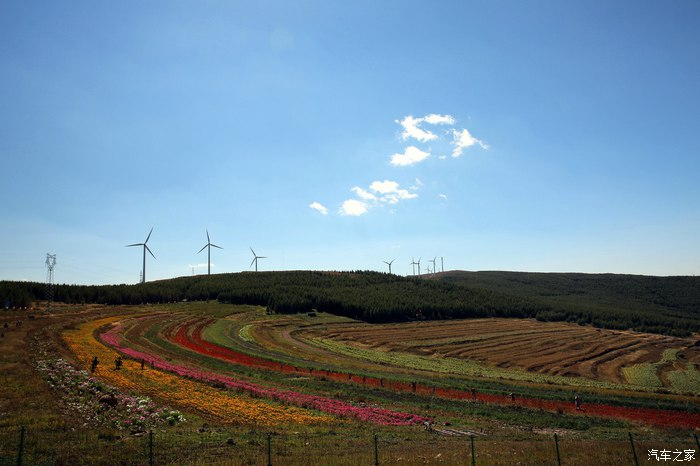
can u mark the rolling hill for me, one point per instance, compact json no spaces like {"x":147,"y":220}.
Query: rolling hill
{"x":668,"y":305}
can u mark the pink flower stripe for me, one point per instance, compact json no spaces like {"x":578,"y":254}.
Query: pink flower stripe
{"x":190,"y":336}
{"x":328,"y":405}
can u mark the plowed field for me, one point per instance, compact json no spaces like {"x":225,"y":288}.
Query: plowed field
{"x":547,"y":348}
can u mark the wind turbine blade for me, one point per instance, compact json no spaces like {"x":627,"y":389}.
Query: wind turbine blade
{"x":135,"y":244}
{"x":208,"y":240}
{"x":203,"y":247}
{"x":392,"y":261}
{"x":149,"y":235}
{"x":252,"y":262}
{"x":214,"y":245}
{"x":262,"y":257}
{"x":251,"y":250}
{"x":149,"y":251}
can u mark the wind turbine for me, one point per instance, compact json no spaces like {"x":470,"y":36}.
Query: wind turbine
{"x":208,"y":246}
{"x":255,"y":259}
{"x":145,"y":248}
{"x":442,"y":263}
{"x":418,"y":263}
{"x":389,"y":264}
{"x":433,"y":261}
{"x":413,"y":265}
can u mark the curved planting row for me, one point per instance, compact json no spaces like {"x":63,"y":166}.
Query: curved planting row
{"x":190,"y":335}
{"x":185,"y":393}
{"x":112,"y":337}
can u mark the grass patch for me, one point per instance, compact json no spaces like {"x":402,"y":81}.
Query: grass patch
{"x":646,"y":375}
{"x":687,"y":380}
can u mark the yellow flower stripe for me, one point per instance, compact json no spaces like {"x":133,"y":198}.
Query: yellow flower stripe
{"x":185,"y":393}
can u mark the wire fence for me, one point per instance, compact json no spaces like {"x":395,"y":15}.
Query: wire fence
{"x":19,"y":446}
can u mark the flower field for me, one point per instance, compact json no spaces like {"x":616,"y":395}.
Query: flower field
{"x":185,"y":393}
{"x":220,"y":381}
{"x":190,"y":336}
{"x":181,"y":368}
{"x":82,"y":394}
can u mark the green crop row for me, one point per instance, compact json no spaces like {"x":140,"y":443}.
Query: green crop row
{"x":646,"y":374}
{"x":456,"y":366}
{"x":687,"y":380}
{"x":245,"y":333}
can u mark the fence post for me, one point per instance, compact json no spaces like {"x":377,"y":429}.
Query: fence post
{"x":150,"y":448}
{"x":269,"y":449}
{"x":471,"y":440}
{"x":634,"y":453}
{"x":376,"y":451}
{"x":556,"y":444}
{"x":20,"y":453}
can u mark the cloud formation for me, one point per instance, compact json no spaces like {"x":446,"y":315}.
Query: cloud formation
{"x":381,"y":193}
{"x":199,"y":266}
{"x":411,"y":129}
{"x":317,"y":206}
{"x":364,"y":195}
{"x":434,"y":119}
{"x":378,"y":193}
{"x":353,"y":207}
{"x":462,"y":140}
{"x":411,"y":155}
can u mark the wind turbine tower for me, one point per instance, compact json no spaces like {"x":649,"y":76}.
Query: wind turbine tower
{"x":208,"y":246}
{"x":255,"y":259}
{"x":418,"y":264}
{"x":433,"y":261}
{"x":389,"y":264}
{"x":442,"y":263}
{"x":145,"y":248}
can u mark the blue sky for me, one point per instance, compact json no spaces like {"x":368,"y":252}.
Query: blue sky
{"x":501,"y":135}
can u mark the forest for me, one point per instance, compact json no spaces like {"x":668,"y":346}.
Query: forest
{"x":666,"y":305}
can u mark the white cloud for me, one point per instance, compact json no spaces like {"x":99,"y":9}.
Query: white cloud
{"x":319,"y":207}
{"x":353,"y":207}
{"x":199,"y":266}
{"x":379,"y":193}
{"x":384,"y":187}
{"x":462,"y":140}
{"x":411,"y":126}
{"x":434,"y":119}
{"x":410,"y":156}
{"x":390,"y":191}
{"x":417,"y":185}
{"x":411,"y":130}
{"x":442,"y":196}
{"x":364,"y":195}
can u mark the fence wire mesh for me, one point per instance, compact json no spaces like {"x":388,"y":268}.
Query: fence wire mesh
{"x":219,"y":447}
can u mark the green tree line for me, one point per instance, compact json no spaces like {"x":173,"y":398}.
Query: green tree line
{"x":669,"y":305}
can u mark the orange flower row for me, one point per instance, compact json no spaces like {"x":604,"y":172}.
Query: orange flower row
{"x":188,"y":394}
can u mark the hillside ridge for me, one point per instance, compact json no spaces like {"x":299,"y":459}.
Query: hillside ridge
{"x":669,"y":305}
